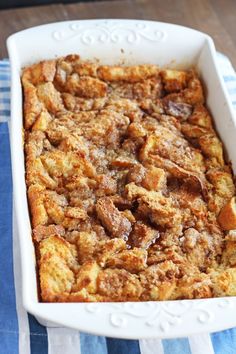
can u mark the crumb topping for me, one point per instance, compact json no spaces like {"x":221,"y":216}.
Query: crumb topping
{"x":130,"y":196}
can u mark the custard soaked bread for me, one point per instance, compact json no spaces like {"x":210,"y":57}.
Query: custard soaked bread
{"x":129,"y":193}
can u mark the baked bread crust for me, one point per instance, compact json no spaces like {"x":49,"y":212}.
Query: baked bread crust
{"x":128,"y":189}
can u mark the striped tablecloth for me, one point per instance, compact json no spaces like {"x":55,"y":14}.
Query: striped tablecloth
{"x":19,"y":331}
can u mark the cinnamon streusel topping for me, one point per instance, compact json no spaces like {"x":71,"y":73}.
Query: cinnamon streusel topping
{"x":129,"y":193}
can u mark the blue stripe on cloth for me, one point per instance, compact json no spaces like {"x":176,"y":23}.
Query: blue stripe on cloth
{"x":122,"y":346}
{"x":5,"y":89}
{"x":8,"y":314}
{"x":5,"y":100}
{"x":9,"y":342}
{"x":38,"y":337}
{"x":5,"y":112}
{"x":92,"y":344}
{"x":224,"y":342}
{"x":176,"y":346}
{"x":4,"y":64}
{"x":4,"y":77}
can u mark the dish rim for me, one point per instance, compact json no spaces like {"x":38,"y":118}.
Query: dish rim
{"x":42,"y":310}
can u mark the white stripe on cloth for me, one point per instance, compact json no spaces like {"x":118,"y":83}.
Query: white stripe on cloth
{"x":4,"y":102}
{"x":201,"y":344}
{"x":23,"y":324}
{"x":63,"y":341}
{"x":3,"y":119}
{"x":151,"y":346}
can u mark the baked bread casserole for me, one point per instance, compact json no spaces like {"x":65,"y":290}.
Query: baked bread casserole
{"x":130,"y":196}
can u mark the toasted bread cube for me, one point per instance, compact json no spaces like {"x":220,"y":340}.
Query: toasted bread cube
{"x":112,"y":219}
{"x":86,"y":69}
{"x":56,"y":279}
{"x":86,"y":86}
{"x":222,"y":182}
{"x":106,"y":185}
{"x":159,"y":281}
{"x":192,"y":94}
{"x":201,"y":117}
{"x":129,"y":73}
{"x":54,"y":204}
{"x":84,"y":296}
{"x":152,"y":106}
{"x":194,"y":286}
{"x":212,"y":147}
{"x":36,"y":201}
{"x":136,"y":130}
{"x":42,"y":121}
{"x":58,"y":246}
{"x":32,"y":105}
{"x":174,"y":80}
{"x":50,"y":97}
{"x":155,"y":179}
{"x":59,"y":163}
{"x":149,"y":147}
{"x":40,"y":72}
{"x":153,"y":204}
{"x":159,"y":209}
{"x":136,"y":174}
{"x":56,"y":267}
{"x":107,"y":249}
{"x":215,"y":202}
{"x":133,"y":260}
{"x":87,"y":277}
{"x":148,"y":88}
{"x":227,"y":216}
{"x":129,"y":215}
{"x":133,"y":191}
{"x":86,"y":244}
{"x":34,"y":144}
{"x":37,"y":174}
{"x":229,"y":253}
{"x":76,"y":212}
{"x":192,"y":131}
{"x":143,"y":236}
{"x":41,"y":232}
{"x":224,"y":282}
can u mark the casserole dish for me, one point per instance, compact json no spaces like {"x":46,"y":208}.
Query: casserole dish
{"x":129,"y":42}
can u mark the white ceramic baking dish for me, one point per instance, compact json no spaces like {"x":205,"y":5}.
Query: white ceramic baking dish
{"x":114,"y":41}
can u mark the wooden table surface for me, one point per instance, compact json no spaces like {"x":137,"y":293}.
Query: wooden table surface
{"x":215,"y":17}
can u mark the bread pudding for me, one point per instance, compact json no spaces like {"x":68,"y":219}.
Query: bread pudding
{"x":130,"y":196}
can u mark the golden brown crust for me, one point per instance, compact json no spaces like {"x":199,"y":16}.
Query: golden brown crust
{"x":129,"y":193}
{"x":57,"y":267}
{"x":39,"y":214}
{"x":227,"y":216}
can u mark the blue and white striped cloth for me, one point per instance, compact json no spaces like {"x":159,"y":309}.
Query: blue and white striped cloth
{"x":19,"y":331}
